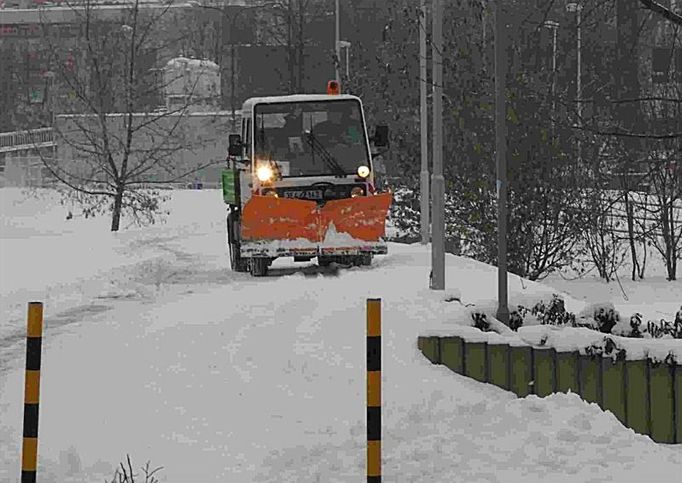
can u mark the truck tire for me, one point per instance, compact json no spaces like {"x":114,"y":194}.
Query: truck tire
{"x":259,"y":266}
{"x":237,"y":263}
{"x":365,"y":259}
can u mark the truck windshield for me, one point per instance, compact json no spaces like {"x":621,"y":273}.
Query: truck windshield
{"x":311,"y":138}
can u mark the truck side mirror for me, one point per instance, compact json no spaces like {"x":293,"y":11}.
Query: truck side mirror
{"x":380,"y":137}
{"x":235,"y":145}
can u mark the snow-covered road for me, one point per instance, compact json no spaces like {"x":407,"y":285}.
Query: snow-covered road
{"x":157,"y":350}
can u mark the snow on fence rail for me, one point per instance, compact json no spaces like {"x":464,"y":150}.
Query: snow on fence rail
{"x":643,"y":394}
{"x":18,"y":140}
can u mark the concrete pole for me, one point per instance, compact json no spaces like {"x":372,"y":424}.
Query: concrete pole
{"x":337,"y":43}
{"x":424,"y":115}
{"x":579,"y":90}
{"x":501,"y":148}
{"x":438,"y":182}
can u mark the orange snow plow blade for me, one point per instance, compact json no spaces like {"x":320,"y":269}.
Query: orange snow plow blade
{"x":270,"y":218}
{"x":363,"y":218}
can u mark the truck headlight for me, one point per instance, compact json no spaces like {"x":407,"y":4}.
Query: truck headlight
{"x":264,"y":173}
{"x":363,"y":171}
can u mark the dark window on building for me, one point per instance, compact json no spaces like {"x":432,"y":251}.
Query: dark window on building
{"x":660,"y":64}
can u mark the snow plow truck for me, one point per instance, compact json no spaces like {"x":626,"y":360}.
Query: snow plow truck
{"x":299,"y":182}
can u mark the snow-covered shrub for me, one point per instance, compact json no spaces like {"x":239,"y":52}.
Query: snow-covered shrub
{"x":405,"y":214}
{"x":606,"y":318}
{"x":635,"y":324}
{"x":553,"y":314}
{"x":663,"y":328}
{"x":481,"y":321}
{"x":606,"y":348}
{"x":516,"y":317}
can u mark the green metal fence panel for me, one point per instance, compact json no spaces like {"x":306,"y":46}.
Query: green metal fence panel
{"x":637,"y":396}
{"x":567,"y":372}
{"x":544,"y":368}
{"x":613,"y":387}
{"x":521,"y":370}
{"x":678,"y":403}
{"x":498,"y":365}
{"x":661,"y":399}
{"x":430,"y":349}
{"x":475,"y":356}
{"x":590,"y":378}
{"x":452,"y":353}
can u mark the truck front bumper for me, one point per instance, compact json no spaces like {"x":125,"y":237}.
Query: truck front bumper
{"x":287,"y":248}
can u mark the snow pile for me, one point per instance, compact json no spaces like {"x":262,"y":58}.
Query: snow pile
{"x":219,"y":377}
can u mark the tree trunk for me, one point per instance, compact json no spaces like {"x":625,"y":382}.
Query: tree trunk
{"x":116,"y":213}
{"x":291,"y":51}
{"x":630,"y":214}
{"x":301,"y":46}
{"x":627,"y":115}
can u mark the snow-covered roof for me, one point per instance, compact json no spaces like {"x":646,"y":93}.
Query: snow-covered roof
{"x":249,"y":103}
{"x":181,"y":62}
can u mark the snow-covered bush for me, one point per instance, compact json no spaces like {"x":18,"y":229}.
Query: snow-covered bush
{"x":516,"y":317}
{"x":663,"y":328}
{"x":606,"y":348}
{"x":405,"y":215}
{"x":481,"y":321}
{"x":606,"y":318}
{"x":555,"y":313}
{"x":635,"y":324}
{"x":600,"y":316}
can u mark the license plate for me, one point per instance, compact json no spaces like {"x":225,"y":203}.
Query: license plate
{"x":305,"y":194}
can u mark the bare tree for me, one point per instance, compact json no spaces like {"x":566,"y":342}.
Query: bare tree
{"x":112,"y":156}
{"x":662,"y":11}
{"x":667,"y":208}
{"x":285,"y":23}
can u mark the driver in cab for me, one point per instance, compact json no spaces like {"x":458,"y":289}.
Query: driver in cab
{"x":341,"y":127}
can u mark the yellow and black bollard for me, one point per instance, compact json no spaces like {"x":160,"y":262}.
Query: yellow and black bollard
{"x":373,"y":390}
{"x":29,"y":456}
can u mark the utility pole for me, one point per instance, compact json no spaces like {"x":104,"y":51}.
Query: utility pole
{"x":424,"y":187}
{"x":501,"y":148}
{"x":438,"y":187}
{"x":577,"y":8}
{"x":337,"y":43}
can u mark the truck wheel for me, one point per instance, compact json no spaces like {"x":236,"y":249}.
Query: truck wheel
{"x":365,"y":259}
{"x":259,"y":266}
{"x":237,"y":263}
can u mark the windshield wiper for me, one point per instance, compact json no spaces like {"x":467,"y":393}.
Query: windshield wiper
{"x":331,"y":162}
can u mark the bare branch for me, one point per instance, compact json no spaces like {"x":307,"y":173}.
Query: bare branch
{"x":662,"y":11}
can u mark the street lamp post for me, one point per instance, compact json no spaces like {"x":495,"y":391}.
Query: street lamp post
{"x":501,"y":149}
{"x":438,"y":182}
{"x":337,"y":44}
{"x":577,"y":8}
